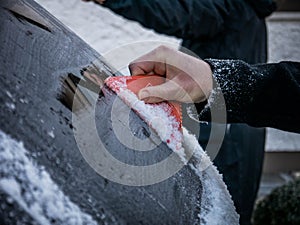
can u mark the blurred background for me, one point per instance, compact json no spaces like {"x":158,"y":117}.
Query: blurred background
{"x":105,"y":31}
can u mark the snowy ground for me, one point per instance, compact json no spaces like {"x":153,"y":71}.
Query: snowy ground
{"x":99,"y":27}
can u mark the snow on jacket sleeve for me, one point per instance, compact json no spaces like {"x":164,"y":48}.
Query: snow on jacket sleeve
{"x":262,"y":95}
{"x":180,"y":18}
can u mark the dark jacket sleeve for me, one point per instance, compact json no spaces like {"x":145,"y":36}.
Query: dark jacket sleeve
{"x":262,"y":95}
{"x":180,"y":18}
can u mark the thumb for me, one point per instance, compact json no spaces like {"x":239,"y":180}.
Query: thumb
{"x":158,"y":93}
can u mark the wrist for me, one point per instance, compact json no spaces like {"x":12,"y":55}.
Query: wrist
{"x":208,"y":80}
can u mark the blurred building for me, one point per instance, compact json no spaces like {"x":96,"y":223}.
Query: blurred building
{"x":282,"y":157}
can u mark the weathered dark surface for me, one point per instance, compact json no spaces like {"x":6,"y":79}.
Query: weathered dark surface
{"x":36,"y":51}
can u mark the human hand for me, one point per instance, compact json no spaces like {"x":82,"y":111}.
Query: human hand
{"x":188,"y":79}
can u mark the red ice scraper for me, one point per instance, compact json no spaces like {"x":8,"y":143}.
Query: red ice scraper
{"x":164,"y":117}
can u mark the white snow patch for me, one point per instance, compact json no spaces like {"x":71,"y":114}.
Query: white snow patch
{"x":33,"y":189}
{"x":159,"y":119}
{"x":216,"y":204}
